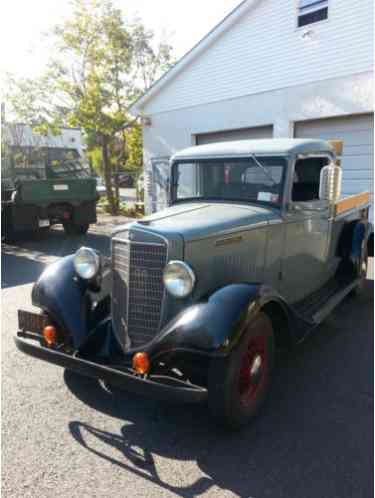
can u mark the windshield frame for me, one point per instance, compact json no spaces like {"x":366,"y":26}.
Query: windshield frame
{"x":250,"y":157}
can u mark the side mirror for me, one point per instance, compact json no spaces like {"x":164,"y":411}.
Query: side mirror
{"x":330,"y":183}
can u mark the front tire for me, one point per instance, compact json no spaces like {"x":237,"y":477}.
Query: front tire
{"x":238,"y":385}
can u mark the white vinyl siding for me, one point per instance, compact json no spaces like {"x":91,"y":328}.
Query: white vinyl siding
{"x":357,"y":134}
{"x":228,"y":135}
{"x":264,"y":51}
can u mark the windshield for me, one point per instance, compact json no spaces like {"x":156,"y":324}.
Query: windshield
{"x":255,"y":178}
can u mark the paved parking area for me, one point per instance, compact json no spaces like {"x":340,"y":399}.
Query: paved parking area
{"x":68,"y":436}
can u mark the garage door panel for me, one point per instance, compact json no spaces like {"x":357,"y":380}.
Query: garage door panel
{"x":358,"y":163}
{"x":357,"y":159}
{"x":358,"y":175}
{"x":241,"y":134}
{"x":350,"y":138}
{"x":343,"y":124}
{"x":357,"y":185}
{"x":357,"y":150}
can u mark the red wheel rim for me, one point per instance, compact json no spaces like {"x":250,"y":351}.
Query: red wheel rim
{"x":253,"y":370}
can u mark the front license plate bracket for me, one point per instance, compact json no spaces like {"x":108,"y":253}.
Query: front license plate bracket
{"x":43,"y":223}
{"x":32,"y":322}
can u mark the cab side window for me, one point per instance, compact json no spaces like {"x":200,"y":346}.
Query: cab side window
{"x":306,"y":179}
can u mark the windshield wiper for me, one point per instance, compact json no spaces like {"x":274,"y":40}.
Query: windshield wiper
{"x":260,"y":165}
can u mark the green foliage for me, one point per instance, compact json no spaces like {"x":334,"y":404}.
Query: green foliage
{"x":103,"y":63}
{"x":95,"y":156}
{"x":134,"y":144}
{"x":29,"y":100}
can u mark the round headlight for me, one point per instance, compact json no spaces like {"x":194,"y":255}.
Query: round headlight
{"x":86,"y":263}
{"x":179,"y":279}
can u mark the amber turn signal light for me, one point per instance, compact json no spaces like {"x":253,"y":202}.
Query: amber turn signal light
{"x":50,"y":335}
{"x":141,"y":363}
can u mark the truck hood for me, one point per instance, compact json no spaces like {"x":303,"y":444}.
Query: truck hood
{"x":195,"y":221}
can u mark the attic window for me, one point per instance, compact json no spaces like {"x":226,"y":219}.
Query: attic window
{"x":310,"y":11}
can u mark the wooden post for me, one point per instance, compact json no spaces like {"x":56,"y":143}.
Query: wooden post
{"x":338,"y":145}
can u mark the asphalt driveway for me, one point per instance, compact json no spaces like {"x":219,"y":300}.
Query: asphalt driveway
{"x":68,"y":436}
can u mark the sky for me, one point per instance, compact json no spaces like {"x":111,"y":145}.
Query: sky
{"x":24,"y":23}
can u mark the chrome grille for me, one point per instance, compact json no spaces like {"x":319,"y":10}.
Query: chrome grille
{"x":137,"y":290}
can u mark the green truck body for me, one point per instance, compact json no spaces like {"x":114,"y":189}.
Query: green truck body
{"x":51,"y":191}
{"x":43,"y":186}
{"x":39,"y":204}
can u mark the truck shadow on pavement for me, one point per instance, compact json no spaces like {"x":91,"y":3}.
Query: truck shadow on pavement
{"x":24,"y":261}
{"x":313,"y":438}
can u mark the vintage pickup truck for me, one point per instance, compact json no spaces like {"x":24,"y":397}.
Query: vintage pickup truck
{"x":255,"y":249}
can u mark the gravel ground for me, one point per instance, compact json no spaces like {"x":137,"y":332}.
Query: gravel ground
{"x":68,"y":436}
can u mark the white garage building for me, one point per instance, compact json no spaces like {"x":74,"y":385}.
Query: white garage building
{"x":271,"y":68}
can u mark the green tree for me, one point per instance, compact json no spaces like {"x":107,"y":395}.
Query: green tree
{"x":134,"y":149}
{"x":103,"y":62}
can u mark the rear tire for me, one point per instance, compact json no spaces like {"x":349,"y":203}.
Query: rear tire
{"x":73,"y":229}
{"x":370,"y":246}
{"x":8,"y":233}
{"x":238,"y":385}
{"x":41,"y":233}
{"x":361,"y":269}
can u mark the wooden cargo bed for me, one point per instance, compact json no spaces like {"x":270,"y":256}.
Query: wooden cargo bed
{"x":352,"y":202}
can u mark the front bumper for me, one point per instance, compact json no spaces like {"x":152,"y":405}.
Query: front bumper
{"x":155,"y":386}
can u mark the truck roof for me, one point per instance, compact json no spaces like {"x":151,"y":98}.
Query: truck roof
{"x":282,"y":146}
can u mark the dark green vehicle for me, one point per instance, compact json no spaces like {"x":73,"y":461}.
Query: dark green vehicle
{"x":43,"y":186}
{"x":255,"y":250}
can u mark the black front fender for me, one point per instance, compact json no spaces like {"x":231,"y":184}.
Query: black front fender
{"x":213,"y":327}
{"x":63,"y":295}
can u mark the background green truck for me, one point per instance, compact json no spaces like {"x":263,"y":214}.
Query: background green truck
{"x":45,"y":181}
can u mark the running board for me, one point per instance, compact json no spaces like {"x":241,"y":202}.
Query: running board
{"x":316,"y":307}
{"x":336,"y":299}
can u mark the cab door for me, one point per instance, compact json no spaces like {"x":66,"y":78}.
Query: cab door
{"x":305,"y":263}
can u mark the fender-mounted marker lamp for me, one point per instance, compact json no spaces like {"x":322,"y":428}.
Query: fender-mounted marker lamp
{"x":141,"y":363}
{"x":50,"y":335}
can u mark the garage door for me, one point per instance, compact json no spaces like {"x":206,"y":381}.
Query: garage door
{"x":357,"y":133}
{"x":228,"y":135}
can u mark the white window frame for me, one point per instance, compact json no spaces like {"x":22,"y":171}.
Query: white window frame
{"x":315,"y":6}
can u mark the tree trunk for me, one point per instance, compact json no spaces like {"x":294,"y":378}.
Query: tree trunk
{"x":107,"y":177}
{"x":119,"y":158}
{"x":117,"y":189}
